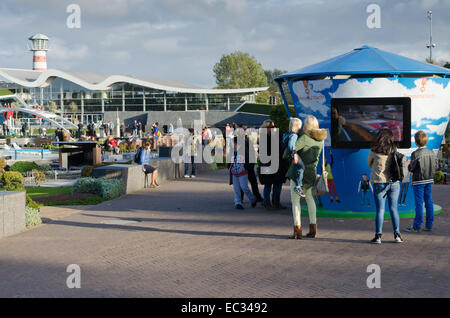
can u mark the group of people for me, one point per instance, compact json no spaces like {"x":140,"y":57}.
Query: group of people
{"x":422,"y":166}
{"x":299,"y":157}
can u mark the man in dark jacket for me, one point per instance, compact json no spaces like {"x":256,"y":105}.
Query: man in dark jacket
{"x":423,"y":166}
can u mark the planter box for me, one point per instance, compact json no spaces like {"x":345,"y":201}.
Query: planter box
{"x":12,"y":212}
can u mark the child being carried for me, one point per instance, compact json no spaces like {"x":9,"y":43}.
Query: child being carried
{"x":289,"y":139}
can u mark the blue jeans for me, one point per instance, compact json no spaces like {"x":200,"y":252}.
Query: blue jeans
{"x":275,"y":194}
{"x":403,"y":192}
{"x":422,"y":193}
{"x":365,"y":197}
{"x":299,"y":168}
{"x":380,"y":192}
{"x":241,"y":184}
{"x":194,"y":167}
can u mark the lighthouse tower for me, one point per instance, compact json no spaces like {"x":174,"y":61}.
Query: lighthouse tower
{"x":39,"y":47}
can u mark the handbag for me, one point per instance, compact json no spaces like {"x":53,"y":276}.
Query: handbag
{"x":321,"y":185}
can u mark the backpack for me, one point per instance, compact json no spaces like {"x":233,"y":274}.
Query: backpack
{"x":137,"y":156}
{"x":396,"y":168}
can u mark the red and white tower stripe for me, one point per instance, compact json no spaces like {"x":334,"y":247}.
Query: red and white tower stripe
{"x":39,"y":60}
{"x":39,"y":47}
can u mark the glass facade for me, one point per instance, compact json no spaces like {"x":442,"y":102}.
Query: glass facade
{"x":72,"y":100}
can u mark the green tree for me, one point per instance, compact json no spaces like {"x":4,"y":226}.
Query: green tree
{"x":52,"y":107}
{"x":279,"y":116}
{"x":273,"y":86}
{"x":239,"y":70}
{"x":73,"y":107}
{"x":447,"y":65}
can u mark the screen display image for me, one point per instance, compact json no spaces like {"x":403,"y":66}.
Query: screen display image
{"x":362,"y":123}
{"x":356,"y":122}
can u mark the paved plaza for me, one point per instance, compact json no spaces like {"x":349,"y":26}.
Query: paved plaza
{"x":185,"y":239}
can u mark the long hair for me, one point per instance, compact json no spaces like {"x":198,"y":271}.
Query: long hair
{"x":384,"y":142}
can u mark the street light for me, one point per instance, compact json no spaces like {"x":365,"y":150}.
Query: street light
{"x":431,"y":45}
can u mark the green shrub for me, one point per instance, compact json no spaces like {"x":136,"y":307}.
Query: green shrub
{"x":2,"y":164}
{"x":23,"y":166}
{"x":38,"y":176}
{"x":123,"y":147}
{"x":45,"y":167}
{"x":87,"y":171}
{"x":30,"y":203}
{"x":32,"y":217}
{"x":438,"y":177}
{"x":107,"y":188}
{"x":279,"y":115}
{"x":12,"y":181}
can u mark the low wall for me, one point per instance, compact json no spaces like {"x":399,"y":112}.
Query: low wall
{"x":12,"y":212}
{"x":212,"y":118}
{"x":133,"y":177}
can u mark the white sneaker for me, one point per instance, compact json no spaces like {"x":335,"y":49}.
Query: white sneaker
{"x":186,"y":176}
{"x":192,"y":176}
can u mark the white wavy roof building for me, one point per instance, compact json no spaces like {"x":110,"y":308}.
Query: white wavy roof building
{"x":101,"y":82}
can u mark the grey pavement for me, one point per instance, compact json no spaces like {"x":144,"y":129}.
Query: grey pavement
{"x":185,"y":239}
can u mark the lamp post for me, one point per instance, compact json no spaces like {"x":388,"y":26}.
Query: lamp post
{"x":431,"y":45}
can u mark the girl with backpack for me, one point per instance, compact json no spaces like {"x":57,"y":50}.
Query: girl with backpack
{"x":380,"y":160}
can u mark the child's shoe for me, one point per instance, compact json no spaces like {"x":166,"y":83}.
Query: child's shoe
{"x":299,"y":191}
{"x":413,"y":230}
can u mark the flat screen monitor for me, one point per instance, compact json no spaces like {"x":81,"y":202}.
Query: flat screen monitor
{"x":355,"y":122}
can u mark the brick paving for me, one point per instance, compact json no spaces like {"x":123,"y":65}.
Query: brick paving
{"x":189,"y":241}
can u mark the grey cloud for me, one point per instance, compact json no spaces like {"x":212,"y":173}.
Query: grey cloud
{"x":183,"y":39}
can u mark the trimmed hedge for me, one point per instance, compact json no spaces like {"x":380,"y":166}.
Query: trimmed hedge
{"x":107,"y":188}
{"x":24,"y":166}
{"x":12,"y":181}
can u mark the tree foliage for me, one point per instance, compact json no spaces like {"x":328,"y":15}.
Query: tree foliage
{"x":239,"y":70}
{"x":73,"y":107}
{"x":447,"y":65}
{"x":52,"y":107}
{"x":279,"y":116}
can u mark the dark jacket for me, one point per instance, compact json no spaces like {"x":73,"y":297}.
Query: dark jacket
{"x":309,"y":147}
{"x":423,"y":166}
{"x":279,"y":176}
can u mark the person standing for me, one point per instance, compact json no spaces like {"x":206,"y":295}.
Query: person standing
{"x":308,"y":146}
{"x":5,"y":128}
{"x":272,"y":180}
{"x":240,"y":178}
{"x":379,"y":160}
{"x":405,"y":184}
{"x":423,"y":166}
{"x":192,"y":144}
{"x":170,"y":129}
{"x":135,"y":128}
{"x":122,"y":130}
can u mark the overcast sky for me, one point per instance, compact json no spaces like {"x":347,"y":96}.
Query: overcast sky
{"x":183,"y":39}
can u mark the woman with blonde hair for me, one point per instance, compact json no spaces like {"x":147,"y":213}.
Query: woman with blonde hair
{"x":308,"y":147}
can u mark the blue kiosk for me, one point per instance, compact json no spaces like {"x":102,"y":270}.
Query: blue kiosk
{"x":355,"y":94}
